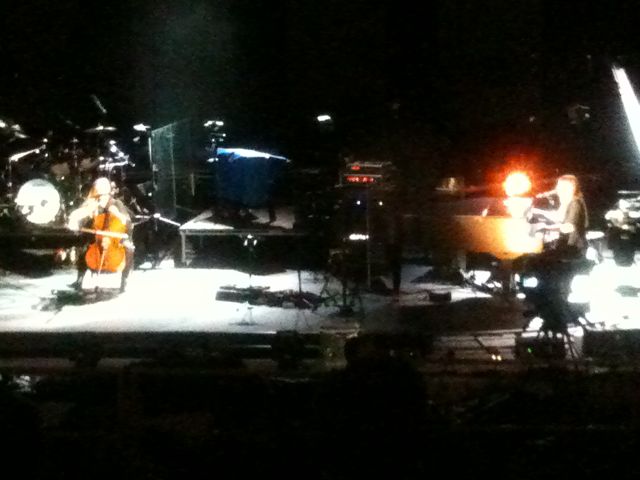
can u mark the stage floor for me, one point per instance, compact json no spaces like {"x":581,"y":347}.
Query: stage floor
{"x":169,"y":299}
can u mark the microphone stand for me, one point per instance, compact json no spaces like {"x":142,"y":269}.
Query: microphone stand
{"x":153,"y":247}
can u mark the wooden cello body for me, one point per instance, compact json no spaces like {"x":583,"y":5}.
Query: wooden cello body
{"x":112,"y":258}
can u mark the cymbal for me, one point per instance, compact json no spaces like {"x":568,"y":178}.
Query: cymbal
{"x":19,"y":134}
{"x":12,"y":129}
{"x":100,"y":129}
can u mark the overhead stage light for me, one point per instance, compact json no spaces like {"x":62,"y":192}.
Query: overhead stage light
{"x":629,"y":101}
{"x":358,"y":237}
{"x":210,"y":123}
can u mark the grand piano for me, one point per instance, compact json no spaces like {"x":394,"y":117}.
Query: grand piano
{"x":480,"y":225}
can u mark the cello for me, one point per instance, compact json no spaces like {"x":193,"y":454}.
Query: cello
{"x":106,"y":253}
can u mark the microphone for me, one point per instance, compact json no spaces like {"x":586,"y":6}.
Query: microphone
{"x":546,"y":194}
{"x":96,"y":100}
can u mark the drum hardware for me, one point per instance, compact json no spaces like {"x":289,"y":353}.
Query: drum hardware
{"x":68,"y":122}
{"x":113,"y":159}
{"x":5,"y":210}
{"x":38,"y":202}
{"x":96,"y":101}
{"x":76,"y":167}
{"x":12,"y":129}
{"x":100,"y":129}
{"x":18,"y":156}
{"x":110,"y":165}
{"x":39,"y":184}
{"x":32,"y":194}
{"x":9,"y":167}
{"x":141,"y":127}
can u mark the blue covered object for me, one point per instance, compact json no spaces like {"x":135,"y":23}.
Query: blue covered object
{"x":248,"y":177}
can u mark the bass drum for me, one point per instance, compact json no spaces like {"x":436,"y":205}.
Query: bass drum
{"x":39,"y":202}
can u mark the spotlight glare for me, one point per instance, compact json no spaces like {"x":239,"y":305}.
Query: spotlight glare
{"x":517,"y":183}
{"x":629,"y":101}
{"x":324,"y":118}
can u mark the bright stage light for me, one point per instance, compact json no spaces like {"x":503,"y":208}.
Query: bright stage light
{"x":517,"y":183}
{"x":517,"y":206}
{"x":323,"y":118}
{"x":481,"y":277}
{"x":358,"y":237}
{"x":629,"y":101}
{"x":211,"y":123}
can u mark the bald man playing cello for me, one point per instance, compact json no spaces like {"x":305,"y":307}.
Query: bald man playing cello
{"x":101,"y":200}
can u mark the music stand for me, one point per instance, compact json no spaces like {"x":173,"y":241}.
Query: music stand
{"x":249,"y":243}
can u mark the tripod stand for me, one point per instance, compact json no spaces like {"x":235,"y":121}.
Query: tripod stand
{"x":348,"y":300}
{"x":555,"y":327}
{"x":547,"y":287}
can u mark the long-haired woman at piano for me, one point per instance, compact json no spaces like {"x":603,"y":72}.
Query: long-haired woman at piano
{"x":572,"y":216}
{"x":569,"y":220}
{"x":101,"y":200}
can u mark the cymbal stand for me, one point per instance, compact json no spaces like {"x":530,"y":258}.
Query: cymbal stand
{"x":9,"y":180}
{"x":9,"y":176}
{"x":16,"y":158}
{"x":5,"y":200}
{"x":75,"y":168}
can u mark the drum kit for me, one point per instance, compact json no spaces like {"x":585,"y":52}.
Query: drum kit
{"x":43,"y":179}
